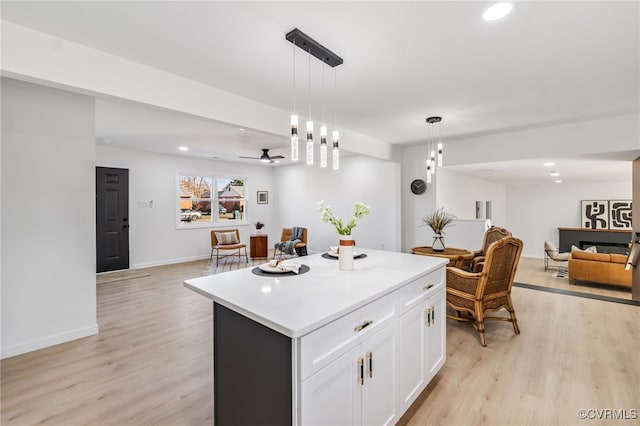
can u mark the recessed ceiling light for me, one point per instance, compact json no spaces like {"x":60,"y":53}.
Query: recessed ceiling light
{"x":558,"y":181}
{"x":497,"y":11}
{"x":549,"y":164}
{"x":242,"y":130}
{"x":183,"y":148}
{"x":554,"y":174}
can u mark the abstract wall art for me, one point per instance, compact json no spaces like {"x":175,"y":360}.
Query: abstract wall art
{"x":619,"y":214}
{"x":606,"y":214}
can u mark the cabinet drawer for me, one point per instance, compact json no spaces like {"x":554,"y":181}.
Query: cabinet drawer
{"x":412,"y":293}
{"x":321,"y":347}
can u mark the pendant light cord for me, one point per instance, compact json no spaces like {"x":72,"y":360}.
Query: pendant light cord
{"x":294,"y":76}
{"x":335,"y":91}
{"x":323,"y":93}
{"x":309,"y":85}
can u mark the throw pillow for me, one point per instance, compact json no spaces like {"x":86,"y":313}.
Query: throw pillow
{"x":591,"y":249}
{"x":225,"y":238}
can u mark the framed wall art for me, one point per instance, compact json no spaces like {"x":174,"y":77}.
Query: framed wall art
{"x":595,"y":214}
{"x":620,"y":214}
{"x":263,"y":197}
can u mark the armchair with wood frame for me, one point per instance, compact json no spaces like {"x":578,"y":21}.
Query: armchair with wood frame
{"x":285,"y":246}
{"x":227,"y":239}
{"x":491,"y":235}
{"x":471,"y":295}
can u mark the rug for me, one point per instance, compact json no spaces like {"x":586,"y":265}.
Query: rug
{"x":562,"y":273}
{"x":129,"y":274}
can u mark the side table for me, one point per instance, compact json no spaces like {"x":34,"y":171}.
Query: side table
{"x":457,"y":257}
{"x":258,"y":245}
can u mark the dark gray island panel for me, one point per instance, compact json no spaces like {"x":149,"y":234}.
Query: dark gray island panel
{"x":252,"y":365}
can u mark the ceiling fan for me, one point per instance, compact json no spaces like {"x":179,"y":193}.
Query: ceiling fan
{"x":265,"y":158}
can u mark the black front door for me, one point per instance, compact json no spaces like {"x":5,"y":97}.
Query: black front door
{"x":112,"y":219}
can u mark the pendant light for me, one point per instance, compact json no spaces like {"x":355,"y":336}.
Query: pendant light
{"x":323,"y":130}
{"x":312,"y":47}
{"x":336,"y":135}
{"x":432,"y":161}
{"x":294,"y":116}
{"x":309,"y":122}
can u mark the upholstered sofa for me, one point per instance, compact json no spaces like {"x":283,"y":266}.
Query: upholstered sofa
{"x":599,"y":267}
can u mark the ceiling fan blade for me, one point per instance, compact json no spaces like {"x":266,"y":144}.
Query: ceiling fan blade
{"x":277,"y":156}
{"x":250,"y":158}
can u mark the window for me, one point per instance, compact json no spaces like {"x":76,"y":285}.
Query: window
{"x":206,"y":200}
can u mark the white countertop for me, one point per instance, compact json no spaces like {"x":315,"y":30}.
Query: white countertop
{"x":295,"y":305}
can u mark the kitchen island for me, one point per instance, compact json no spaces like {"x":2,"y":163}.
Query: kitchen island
{"x":328,"y":346}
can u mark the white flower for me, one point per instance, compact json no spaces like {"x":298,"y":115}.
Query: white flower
{"x":326,"y":215}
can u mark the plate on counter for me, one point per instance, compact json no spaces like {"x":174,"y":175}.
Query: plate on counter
{"x":356,"y":254}
{"x":265,"y":267}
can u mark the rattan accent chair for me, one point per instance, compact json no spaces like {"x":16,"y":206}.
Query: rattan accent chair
{"x":235,"y":244}
{"x":471,"y":295}
{"x":491,"y":235}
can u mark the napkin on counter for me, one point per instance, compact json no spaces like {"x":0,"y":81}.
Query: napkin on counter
{"x":285,"y":265}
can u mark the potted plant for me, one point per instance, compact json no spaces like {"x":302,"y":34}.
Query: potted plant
{"x":259,"y":225}
{"x":345,"y":251}
{"x":437,"y":221}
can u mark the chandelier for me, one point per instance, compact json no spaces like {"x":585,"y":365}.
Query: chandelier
{"x":313,"y":48}
{"x":433,"y":146}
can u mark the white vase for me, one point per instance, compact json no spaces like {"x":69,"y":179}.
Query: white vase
{"x":438,"y":243}
{"x":258,"y":231}
{"x":345,"y":253}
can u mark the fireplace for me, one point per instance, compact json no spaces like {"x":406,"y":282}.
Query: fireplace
{"x":605,"y":240}
{"x":606,"y":247}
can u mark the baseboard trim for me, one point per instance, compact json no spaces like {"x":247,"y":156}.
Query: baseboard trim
{"x":169,"y":261}
{"x":56,"y":339}
{"x":578,"y":294}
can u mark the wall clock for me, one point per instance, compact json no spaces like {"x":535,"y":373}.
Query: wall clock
{"x":418,"y":186}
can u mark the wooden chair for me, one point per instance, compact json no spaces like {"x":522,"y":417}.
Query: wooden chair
{"x":492,"y":235}
{"x":486,"y":291}
{"x":300,"y":248}
{"x":222,"y":239}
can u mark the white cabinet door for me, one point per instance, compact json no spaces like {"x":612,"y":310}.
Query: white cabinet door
{"x":379,"y":402}
{"x":357,"y":388}
{"x":411,"y":355}
{"x":332,"y":395}
{"x":436,"y":334}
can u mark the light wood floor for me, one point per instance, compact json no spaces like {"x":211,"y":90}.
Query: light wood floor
{"x":531,"y":271}
{"x":151,"y":363}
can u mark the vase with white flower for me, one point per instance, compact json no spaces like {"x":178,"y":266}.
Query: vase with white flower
{"x":345,"y":251}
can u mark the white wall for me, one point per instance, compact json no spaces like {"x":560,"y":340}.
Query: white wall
{"x":154,"y":239}
{"x":536,"y":212}
{"x":458,"y":193}
{"x":299,"y":188}
{"x":620,"y":132}
{"x":48,"y":217}
{"x":415,"y":207}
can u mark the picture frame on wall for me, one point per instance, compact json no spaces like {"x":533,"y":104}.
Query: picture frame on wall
{"x":620,"y":214}
{"x":263,"y":197}
{"x":595,"y":214}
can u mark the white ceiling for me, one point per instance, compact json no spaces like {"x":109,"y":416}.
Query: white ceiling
{"x":547,"y":62}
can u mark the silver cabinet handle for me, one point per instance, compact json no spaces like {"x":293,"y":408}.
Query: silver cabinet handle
{"x":427,"y":287}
